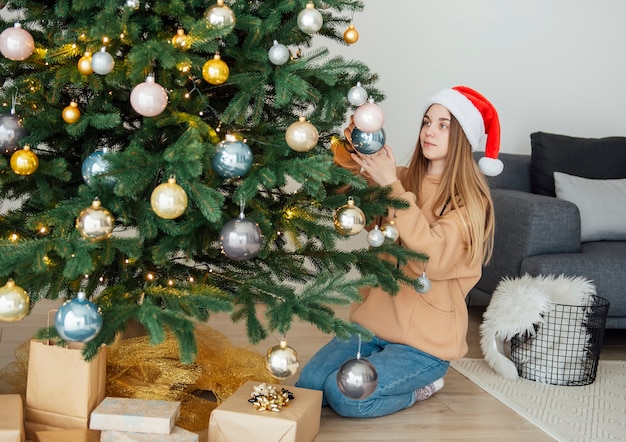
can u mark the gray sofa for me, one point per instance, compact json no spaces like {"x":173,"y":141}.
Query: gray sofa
{"x":540,"y":234}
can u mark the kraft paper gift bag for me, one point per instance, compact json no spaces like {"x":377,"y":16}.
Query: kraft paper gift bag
{"x":62,"y":388}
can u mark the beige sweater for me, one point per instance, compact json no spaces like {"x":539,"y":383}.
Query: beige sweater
{"x":434,"y":322}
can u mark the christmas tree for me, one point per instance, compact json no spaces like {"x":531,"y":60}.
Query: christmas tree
{"x":170,"y":159}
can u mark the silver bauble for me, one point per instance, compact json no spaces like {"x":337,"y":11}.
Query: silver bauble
{"x":349,"y":219}
{"x":310,"y":20}
{"x":422,"y":284}
{"x":241,"y":239}
{"x":391,"y":232}
{"x":282,"y":361}
{"x":11,"y":132}
{"x":279,"y":54}
{"x":357,"y":95}
{"x":357,"y":378}
{"x":102,"y":62}
{"x":375,"y":237}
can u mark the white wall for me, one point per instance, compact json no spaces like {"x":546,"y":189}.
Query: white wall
{"x":547,"y":65}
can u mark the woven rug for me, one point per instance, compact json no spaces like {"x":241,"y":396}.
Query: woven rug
{"x":595,"y":412}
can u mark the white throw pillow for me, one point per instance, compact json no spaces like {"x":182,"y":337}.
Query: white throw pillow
{"x":602,"y":205}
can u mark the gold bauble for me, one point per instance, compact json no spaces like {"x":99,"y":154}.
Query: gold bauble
{"x":282,"y":360}
{"x":301,"y":136}
{"x":349,"y":219}
{"x":95,"y":223}
{"x":14,"y":302}
{"x":84,"y":64}
{"x":169,"y":200}
{"x":24,"y":161}
{"x":180,"y":40}
{"x":71,"y":113}
{"x":215,"y":71}
{"x":351,"y":35}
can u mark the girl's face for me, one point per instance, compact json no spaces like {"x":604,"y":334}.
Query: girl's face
{"x":435,"y":136}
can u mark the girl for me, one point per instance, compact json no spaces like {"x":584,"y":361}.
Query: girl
{"x":450,"y":218}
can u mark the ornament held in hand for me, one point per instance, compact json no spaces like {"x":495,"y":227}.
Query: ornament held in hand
{"x":368,"y":142}
{"x":369,"y":117}
{"x":78,"y":320}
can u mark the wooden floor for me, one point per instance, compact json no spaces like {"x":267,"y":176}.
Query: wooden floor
{"x":461,"y":411}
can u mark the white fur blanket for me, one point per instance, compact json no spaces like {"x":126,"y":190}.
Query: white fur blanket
{"x":518,"y":306}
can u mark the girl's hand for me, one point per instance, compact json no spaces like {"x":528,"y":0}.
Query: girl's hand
{"x":380,"y":166}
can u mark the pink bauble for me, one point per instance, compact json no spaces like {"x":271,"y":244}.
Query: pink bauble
{"x":369,"y":117}
{"x":148,"y":98}
{"x":16,"y":43}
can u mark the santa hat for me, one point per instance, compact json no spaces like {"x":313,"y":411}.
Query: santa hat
{"x":478,"y":119}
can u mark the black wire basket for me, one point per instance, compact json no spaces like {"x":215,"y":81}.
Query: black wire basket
{"x":565,"y":347}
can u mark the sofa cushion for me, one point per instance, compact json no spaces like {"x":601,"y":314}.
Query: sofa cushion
{"x":599,"y":158}
{"x":601,"y":203}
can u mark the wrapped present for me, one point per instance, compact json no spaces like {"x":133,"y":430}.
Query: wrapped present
{"x":75,"y":435}
{"x":177,"y":435}
{"x":135,"y":415}
{"x":248,"y":414}
{"x":11,"y":418}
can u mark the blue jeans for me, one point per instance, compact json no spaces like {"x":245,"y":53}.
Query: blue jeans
{"x":401,"y":371}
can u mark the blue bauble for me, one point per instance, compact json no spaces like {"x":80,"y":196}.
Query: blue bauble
{"x":78,"y":320}
{"x":233,"y":158}
{"x":96,"y":164}
{"x":368,"y":142}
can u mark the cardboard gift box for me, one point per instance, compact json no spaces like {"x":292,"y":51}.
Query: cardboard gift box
{"x":11,"y":418}
{"x":177,"y":435}
{"x":75,"y":435}
{"x":135,"y":415}
{"x":236,"y":419}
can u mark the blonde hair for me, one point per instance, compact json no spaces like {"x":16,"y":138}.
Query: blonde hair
{"x":462,"y":184}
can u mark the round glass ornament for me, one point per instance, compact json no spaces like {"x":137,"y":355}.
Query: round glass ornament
{"x":14,"y":302}
{"x":78,"y":319}
{"x":368,"y":142}
{"x":241,"y":238}
{"x":232,"y":159}
{"x":357,"y":378}
{"x":282,"y":360}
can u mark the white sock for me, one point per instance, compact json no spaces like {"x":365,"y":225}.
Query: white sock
{"x":430,"y":389}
